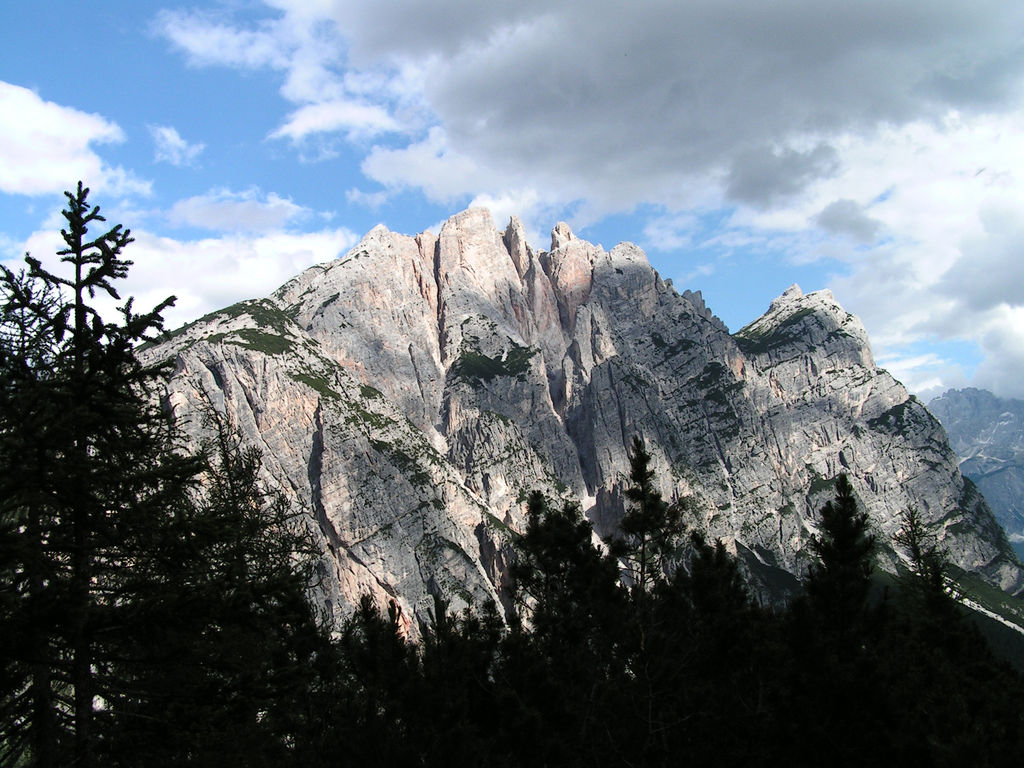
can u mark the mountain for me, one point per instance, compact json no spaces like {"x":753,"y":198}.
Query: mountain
{"x":987,"y":433}
{"x":409,"y":395}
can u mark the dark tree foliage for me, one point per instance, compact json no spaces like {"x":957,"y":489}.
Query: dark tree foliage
{"x":651,"y":528}
{"x":226,"y":646}
{"x":85,"y":465}
{"x":833,"y":630}
{"x":378,"y":679}
{"x":153,"y":603}
{"x":928,"y":564}
{"x":722,"y":656}
{"x":458,"y":659}
{"x":562,"y":659}
{"x":955,"y":702}
{"x":564,"y":587}
{"x":902,"y":679}
{"x":839,"y":582}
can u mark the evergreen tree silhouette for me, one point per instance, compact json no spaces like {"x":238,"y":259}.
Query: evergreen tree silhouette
{"x":651,"y":527}
{"x":86,"y":460}
{"x":154,"y":602}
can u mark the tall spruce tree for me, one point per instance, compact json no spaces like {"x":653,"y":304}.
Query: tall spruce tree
{"x":223,"y":658}
{"x":86,"y":460}
{"x":651,"y":528}
{"x":839,"y":582}
{"x":835,"y":632}
{"x":153,"y":602}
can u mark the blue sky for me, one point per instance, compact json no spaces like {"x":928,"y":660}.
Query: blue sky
{"x":873,"y":148}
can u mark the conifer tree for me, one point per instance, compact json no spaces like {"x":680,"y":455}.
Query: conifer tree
{"x":927,"y":562}
{"x":838,"y":583}
{"x":85,"y":460}
{"x":153,"y":602}
{"x":651,"y":527}
{"x":835,"y":631}
{"x":562,"y":662}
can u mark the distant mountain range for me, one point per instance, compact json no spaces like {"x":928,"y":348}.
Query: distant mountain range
{"x":408,"y":396}
{"x":987,"y":433}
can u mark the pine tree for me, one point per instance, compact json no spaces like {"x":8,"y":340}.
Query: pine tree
{"x":651,"y":528}
{"x":839,"y":582}
{"x":562,"y":661}
{"x":835,"y":634}
{"x":154,"y":603}
{"x":85,"y":460}
{"x":928,"y":564}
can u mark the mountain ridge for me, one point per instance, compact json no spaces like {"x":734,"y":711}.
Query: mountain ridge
{"x":410,"y":393}
{"x":987,"y":433}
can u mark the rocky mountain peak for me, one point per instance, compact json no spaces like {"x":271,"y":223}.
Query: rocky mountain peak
{"x":409,"y":395}
{"x":561,"y":235}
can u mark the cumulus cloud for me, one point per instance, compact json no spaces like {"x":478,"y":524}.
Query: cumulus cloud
{"x":306,"y":51}
{"x":371,"y":200}
{"x":207,"y":41}
{"x":990,"y":270}
{"x":195,"y":271}
{"x":429,"y":165}
{"x":585,"y":94}
{"x":46,"y":147}
{"x":226,"y":211}
{"x":672,"y":232}
{"x":1003,"y":348}
{"x":171,"y":148}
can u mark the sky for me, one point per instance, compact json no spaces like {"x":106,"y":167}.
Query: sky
{"x":873,"y":148}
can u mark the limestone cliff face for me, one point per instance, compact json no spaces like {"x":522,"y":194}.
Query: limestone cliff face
{"x":410,"y":394}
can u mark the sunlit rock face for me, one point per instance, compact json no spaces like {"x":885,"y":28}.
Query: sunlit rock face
{"x":409,"y":395}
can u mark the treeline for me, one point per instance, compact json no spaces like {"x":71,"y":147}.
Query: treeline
{"x":683,"y":666}
{"x":154,"y":606}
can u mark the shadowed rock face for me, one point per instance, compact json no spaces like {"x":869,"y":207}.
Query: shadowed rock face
{"x":410,"y":394}
{"x":987,"y":433}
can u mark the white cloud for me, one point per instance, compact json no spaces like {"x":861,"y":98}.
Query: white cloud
{"x":847,"y":217}
{"x":926,"y":374}
{"x":429,"y":165}
{"x":172,"y":148}
{"x":46,"y":147}
{"x":672,"y":232}
{"x":356,"y":120}
{"x":227,"y":211}
{"x":615,"y":105}
{"x":208,"y":42}
{"x":1003,"y":347}
{"x":307,"y":51}
{"x":209,"y":273}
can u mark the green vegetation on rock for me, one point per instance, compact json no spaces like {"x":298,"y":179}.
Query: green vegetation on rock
{"x":753,"y":341}
{"x":473,"y":365}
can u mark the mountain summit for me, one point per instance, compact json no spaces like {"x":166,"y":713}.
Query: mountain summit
{"x":410,"y":394}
